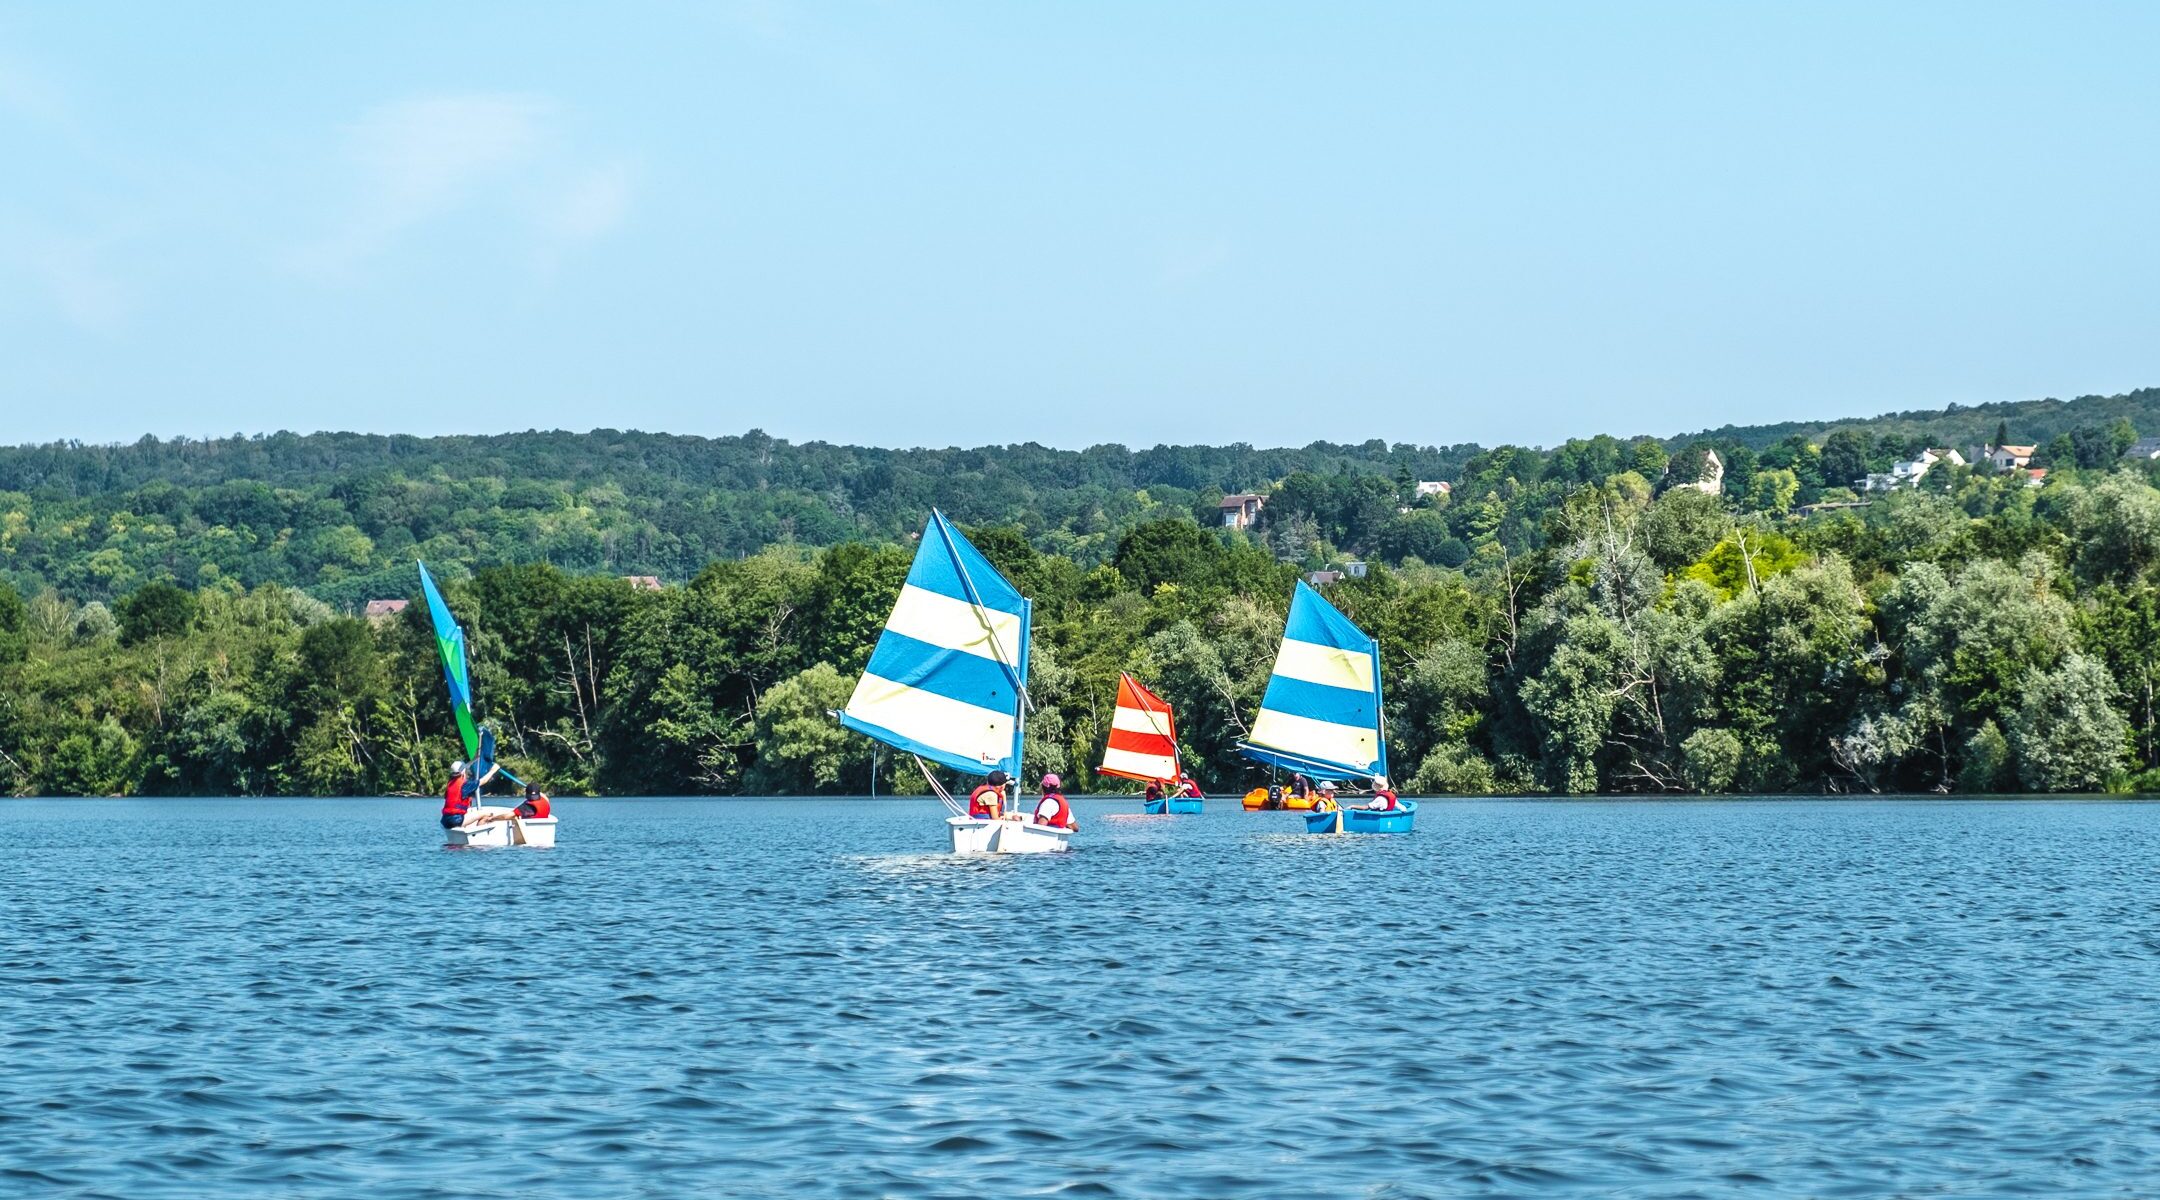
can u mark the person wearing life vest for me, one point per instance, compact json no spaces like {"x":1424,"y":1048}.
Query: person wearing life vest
{"x":1383,"y":796}
{"x":1188,"y":789}
{"x":1154,"y":791}
{"x":536,"y":803}
{"x":457,"y":800}
{"x":987,"y":801}
{"x":1053,"y":810}
{"x":1324,"y":798}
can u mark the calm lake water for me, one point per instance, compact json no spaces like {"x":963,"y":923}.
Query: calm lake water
{"x":802,"y":999}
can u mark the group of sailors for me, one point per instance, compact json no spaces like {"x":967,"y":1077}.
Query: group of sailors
{"x":1323,"y":797}
{"x":1182,"y":787}
{"x":987,"y":801}
{"x":463,"y":791}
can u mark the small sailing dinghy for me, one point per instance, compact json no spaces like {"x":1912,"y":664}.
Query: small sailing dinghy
{"x":1143,"y":746}
{"x":485,"y":825}
{"x":1321,"y":712}
{"x":947,"y":683}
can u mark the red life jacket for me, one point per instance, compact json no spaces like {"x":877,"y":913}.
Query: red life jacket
{"x":1154,"y":791}
{"x":455,"y":802}
{"x":1193,"y":790}
{"x":534,"y":809}
{"x":986,"y":800}
{"x":1059,"y":813}
{"x":1385,"y":801}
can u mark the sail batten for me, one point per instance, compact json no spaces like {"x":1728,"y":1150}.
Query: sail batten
{"x":947,"y":677}
{"x":1143,"y":736}
{"x":1321,"y":712}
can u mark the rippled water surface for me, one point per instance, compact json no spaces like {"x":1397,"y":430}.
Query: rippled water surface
{"x":767,"y":998}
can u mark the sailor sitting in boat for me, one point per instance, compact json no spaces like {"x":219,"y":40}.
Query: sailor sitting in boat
{"x":1189,"y":789}
{"x":1324,"y":796}
{"x":987,"y":801}
{"x":1053,"y":809}
{"x":463,"y":791}
{"x":536,"y":803}
{"x":1383,"y":797}
{"x":1153,"y":792}
{"x":456,"y":803}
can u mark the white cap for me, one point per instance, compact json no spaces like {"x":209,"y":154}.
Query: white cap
{"x":458,"y":767}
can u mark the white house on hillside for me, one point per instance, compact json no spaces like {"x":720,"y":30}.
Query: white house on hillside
{"x":2010,"y":458}
{"x":1712,"y":482}
{"x":2144,"y":448}
{"x":1909,"y":473}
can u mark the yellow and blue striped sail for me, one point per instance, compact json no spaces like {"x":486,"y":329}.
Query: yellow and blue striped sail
{"x":946,"y":679}
{"x":1321,"y":713}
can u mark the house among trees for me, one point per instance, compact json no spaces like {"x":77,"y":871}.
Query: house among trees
{"x":2010,"y":458}
{"x":383,"y":610}
{"x":1323,"y":578}
{"x":1712,"y":480}
{"x":643,"y":583}
{"x":2144,"y":448}
{"x":1241,"y":511}
{"x":1909,"y":473}
{"x":1438,"y":487}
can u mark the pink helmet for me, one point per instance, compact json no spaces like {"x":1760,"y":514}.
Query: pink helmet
{"x":1051,"y":781}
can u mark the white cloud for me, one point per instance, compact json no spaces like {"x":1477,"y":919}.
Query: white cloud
{"x":424,"y":157}
{"x":591,"y":204}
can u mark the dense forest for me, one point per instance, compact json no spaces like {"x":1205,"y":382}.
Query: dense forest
{"x":179,"y":617}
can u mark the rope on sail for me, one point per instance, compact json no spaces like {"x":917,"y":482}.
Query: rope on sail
{"x":939,"y":788}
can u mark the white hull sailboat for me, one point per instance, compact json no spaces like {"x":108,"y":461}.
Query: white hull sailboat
{"x":1010,"y":834}
{"x":494,"y":825}
{"x":947,"y":683}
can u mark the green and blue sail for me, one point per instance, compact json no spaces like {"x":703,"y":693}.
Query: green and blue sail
{"x":457,"y":672}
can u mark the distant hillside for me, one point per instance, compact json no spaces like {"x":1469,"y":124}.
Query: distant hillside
{"x":343,"y":515}
{"x":2034,"y":421}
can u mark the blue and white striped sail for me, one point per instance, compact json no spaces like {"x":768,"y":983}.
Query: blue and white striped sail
{"x":1321,"y":713}
{"x":947,"y":677}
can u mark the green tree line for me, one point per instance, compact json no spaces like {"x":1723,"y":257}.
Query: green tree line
{"x":341,"y":516}
{"x":1573,"y":620}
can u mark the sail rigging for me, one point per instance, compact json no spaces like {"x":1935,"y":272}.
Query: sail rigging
{"x":1143,"y":736}
{"x":947,"y":680}
{"x":1321,"y":713}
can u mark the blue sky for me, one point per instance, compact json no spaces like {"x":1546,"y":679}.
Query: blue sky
{"x":954,"y":224}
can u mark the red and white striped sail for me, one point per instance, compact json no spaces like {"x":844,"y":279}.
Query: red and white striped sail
{"x":1143,"y":738}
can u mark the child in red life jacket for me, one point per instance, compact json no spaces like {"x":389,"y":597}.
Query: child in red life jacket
{"x":1053,"y":809}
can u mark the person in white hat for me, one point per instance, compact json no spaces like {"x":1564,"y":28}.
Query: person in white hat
{"x":1383,"y":796}
{"x":457,"y":797}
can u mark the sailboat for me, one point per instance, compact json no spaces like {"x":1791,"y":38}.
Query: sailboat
{"x":947,"y":683}
{"x":1143,"y":746}
{"x":1321,"y":714}
{"x":485,"y":825}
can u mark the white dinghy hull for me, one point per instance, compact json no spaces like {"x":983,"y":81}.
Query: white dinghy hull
{"x":539,"y":832}
{"x":981,"y":835}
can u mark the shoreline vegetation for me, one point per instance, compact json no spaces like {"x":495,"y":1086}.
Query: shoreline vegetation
{"x":1719,"y":614}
